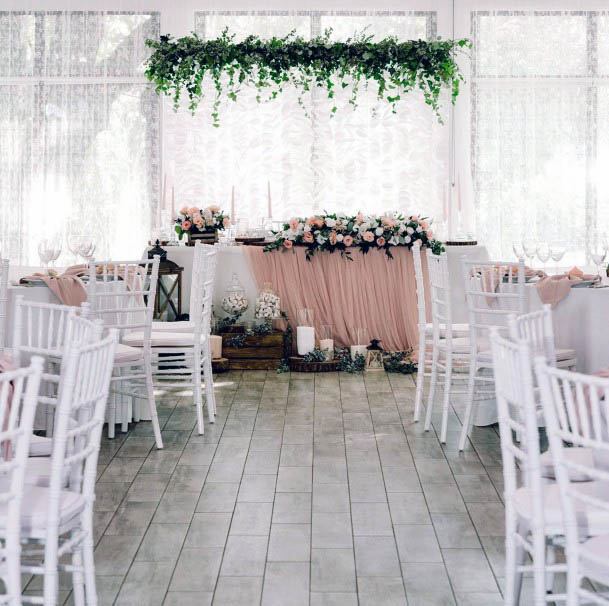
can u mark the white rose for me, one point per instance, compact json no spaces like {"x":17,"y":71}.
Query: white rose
{"x":330,"y":222}
{"x":402,"y":228}
{"x":394,"y":241}
{"x":320,"y":239}
{"x":419,"y":229}
{"x":339,"y":237}
{"x":379,"y":231}
{"x":409,"y":231}
{"x":307,"y":228}
{"x":407,"y":240}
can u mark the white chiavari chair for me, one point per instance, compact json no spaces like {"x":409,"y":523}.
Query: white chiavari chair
{"x":57,"y":520}
{"x":122,"y":293}
{"x":575,"y":408}
{"x":4,"y":268}
{"x":425,"y":329}
{"x":494,"y":290}
{"x":18,"y":400}
{"x":179,"y":356}
{"x":44,"y":329}
{"x":447,"y":348}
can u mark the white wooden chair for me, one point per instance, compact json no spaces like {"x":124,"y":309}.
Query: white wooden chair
{"x":122,"y":293}
{"x":18,"y":400}
{"x":173,"y":351}
{"x":44,"y":329}
{"x":4,"y":268}
{"x":575,"y":408}
{"x":425,"y":329}
{"x":59,"y":517}
{"x":494,"y":290}
{"x":447,"y":348}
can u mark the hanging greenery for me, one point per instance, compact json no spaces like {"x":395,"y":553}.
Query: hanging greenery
{"x":178,"y":67}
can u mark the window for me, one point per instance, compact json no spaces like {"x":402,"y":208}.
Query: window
{"x":540,"y":117}
{"x":368,"y":158}
{"x":79,"y":131}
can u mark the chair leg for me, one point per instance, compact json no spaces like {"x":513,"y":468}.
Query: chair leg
{"x":89,"y":563}
{"x":465,"y":430}
{"x":51,"y":574}
{"x":210,"y":396}
{"x":447,"y":385}
{"x":13,"y":567}
{"x":152,"y":404}
{"x":514,"y":557}
{"x":432,"y":385}
{"x":539,"y":567}
{"x":196,"y":388}
{"x":550,"y":560}
{"x":135,"y":407}
{"x":111,"y":414}
{"x":78,"y":580}
{"x":420,"y":376}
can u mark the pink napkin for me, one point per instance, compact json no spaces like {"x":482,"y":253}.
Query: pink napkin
{"x":553,"y":289}
{"x":68,"y":287}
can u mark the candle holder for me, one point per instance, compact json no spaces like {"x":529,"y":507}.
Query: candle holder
{"x":305,"y":332}
{"x":374,"y":356}
{"x":361,"y":343}
{"x":326,"y":342}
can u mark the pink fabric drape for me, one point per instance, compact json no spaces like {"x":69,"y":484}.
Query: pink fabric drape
{"x":67,"y":287}
{"x":371,"y":291}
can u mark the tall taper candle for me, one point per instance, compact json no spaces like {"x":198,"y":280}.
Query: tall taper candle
{"x":268,"y":189}
{"x":173,"y":203}
{"x":233,"y":218}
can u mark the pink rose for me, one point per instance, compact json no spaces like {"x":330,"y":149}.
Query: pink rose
{"x":184,"y":210}
{"x":414,"y":218}
{"x":310,"y":220}
{"x":308,"y":237}
{"x":186,"y":225}
{"x":360,"y":218}
{"x":380,"y":241}
{"x":226,"y":222}
{"x":193,"y":210}
{"x":388,"y":222}
{"x":214,"y":208}
{"x":425,"y":225}
{"x":429,"y":234}
{"x":332,"y":237}
{"x":347,"y":240}
{"x":368,"y":236}
{"x":287,"y":243}
{"x":293,"y":224}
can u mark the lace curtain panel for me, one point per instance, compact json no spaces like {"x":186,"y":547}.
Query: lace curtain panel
{"x":364,"y":159}
{"x":79,"y":132}
{"x":540,"y":102}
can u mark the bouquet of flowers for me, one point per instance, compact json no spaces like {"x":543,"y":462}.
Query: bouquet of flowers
{"x":344,"y":233}
{"x":194,"y":220}
{"x":267,"y":306}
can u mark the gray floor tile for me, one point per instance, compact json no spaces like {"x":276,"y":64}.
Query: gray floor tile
{"x":388,"y":591}
{"x":207,"y":530}
{"x":417,"y":543}
{"x":244,"y":556}
{"x":257,"y":489}
{"x":331,"y":498}
{"x":290,"y":543}
{"x":197,"y":570}
{"x":131,"y":519}
{"x":252,"y":518}
{"x":292,"y":508}
{"x":294,"y":479}
{"x":408,"y":508}
{"x":371,"y":519}
{"x":145,"y":584}
{"x":333,"y":599}
{"x":237,"y":591}
{"x":218,"y":497}
{"x":376,"y":557}
{"x":114,"y":554}
{"x":469,"y":571}
{"x":488,"y":518}
{"x":333,"y":570}
{"x":162,"y":542}
{"x":332,"y":530}
{"x":455,"y":530}
{"x":176,"y":507}
{"x":286,"y":584}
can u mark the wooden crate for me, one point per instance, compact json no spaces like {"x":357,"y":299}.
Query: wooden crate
{"x":259,"y":352}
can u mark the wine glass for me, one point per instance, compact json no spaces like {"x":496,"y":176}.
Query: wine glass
{"x":598,"y":253}
{"x":45,"y":252}
{"x":81,"y":246}
{"x":530,"y":248}
{"x":557,"y":252}
{"x":518,"y":250}
{"x":543,"y":253}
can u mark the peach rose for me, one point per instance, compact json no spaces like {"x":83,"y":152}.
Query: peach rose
{"x":287,"y":243}
{"x":293,"y":224}
{"x":380,"y":241}
{"x":360,"y":218}
{"x":226,"y":222}
{"x":192,"y":210}
{"x":308,"y":237}
{"x":310,"y":220}
{"x":388,"y":222}
{"x":347,"y":240}
{"x":414,"y":217}
{"x":332,"y":237}
{"x":186,"y":225}
{"x":319,"y":223}
{"x":368,"y":236}
{"x":425,"y":225}
{"x":184,"y":210}
{"x":214,"y":208}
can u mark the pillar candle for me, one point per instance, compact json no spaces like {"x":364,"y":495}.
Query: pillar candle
{"x":358,"y":349}
{"x":327,"y":346}
{"x":215,"y":344}
{"x":305,"y":339}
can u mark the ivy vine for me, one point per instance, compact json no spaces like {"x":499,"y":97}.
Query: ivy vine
{"x":178,"y":67}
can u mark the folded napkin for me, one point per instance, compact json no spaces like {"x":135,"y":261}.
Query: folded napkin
{"x":553,"y":289}
{"x":67,"y":287}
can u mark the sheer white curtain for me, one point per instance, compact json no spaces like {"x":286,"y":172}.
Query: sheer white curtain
{"x":540,"y":112}
{"x":79,"y":131}
{"x":365,"y":159}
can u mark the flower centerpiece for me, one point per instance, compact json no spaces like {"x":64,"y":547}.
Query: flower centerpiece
{"x":201,"y":224}
{"x":344,"y":233}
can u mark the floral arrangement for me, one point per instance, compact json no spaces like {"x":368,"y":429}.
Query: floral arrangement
{"x":234,"y":303}
{"x":396,"y":68}
{"x":267,"y":306}
{"x":344,"y":233}
{"x":195,"y":220}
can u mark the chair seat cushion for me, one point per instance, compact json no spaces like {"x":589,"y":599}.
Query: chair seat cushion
{"x":595,"y":548}
{"x":458,"y":329}
{"x":38,"y":471}
{"x":34,"y":509}
{"x":40,"y":446}
{"x":565,"y":354}
{"x":591,"y":520}
{"x":126,"y":353}
{"x":583,"y":456}
{"x":163,"y":338}
{"x":181,"y":326}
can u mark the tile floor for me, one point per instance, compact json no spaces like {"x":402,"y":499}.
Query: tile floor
{"x":315,"y":490}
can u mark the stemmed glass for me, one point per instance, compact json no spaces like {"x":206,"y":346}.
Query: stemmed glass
{"x":543,"y":253}
{"x":598,"y":253}
{"x":518,"y":250}
{"x":530,"y":248}
{"x":81,"y":246}
{"x":557,"y":252}
{"x":49,"y":250}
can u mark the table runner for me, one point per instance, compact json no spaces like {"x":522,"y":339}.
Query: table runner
{"x":371,"y":291}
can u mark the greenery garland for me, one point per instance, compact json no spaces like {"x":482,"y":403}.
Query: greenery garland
{"x":397,"y":68}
